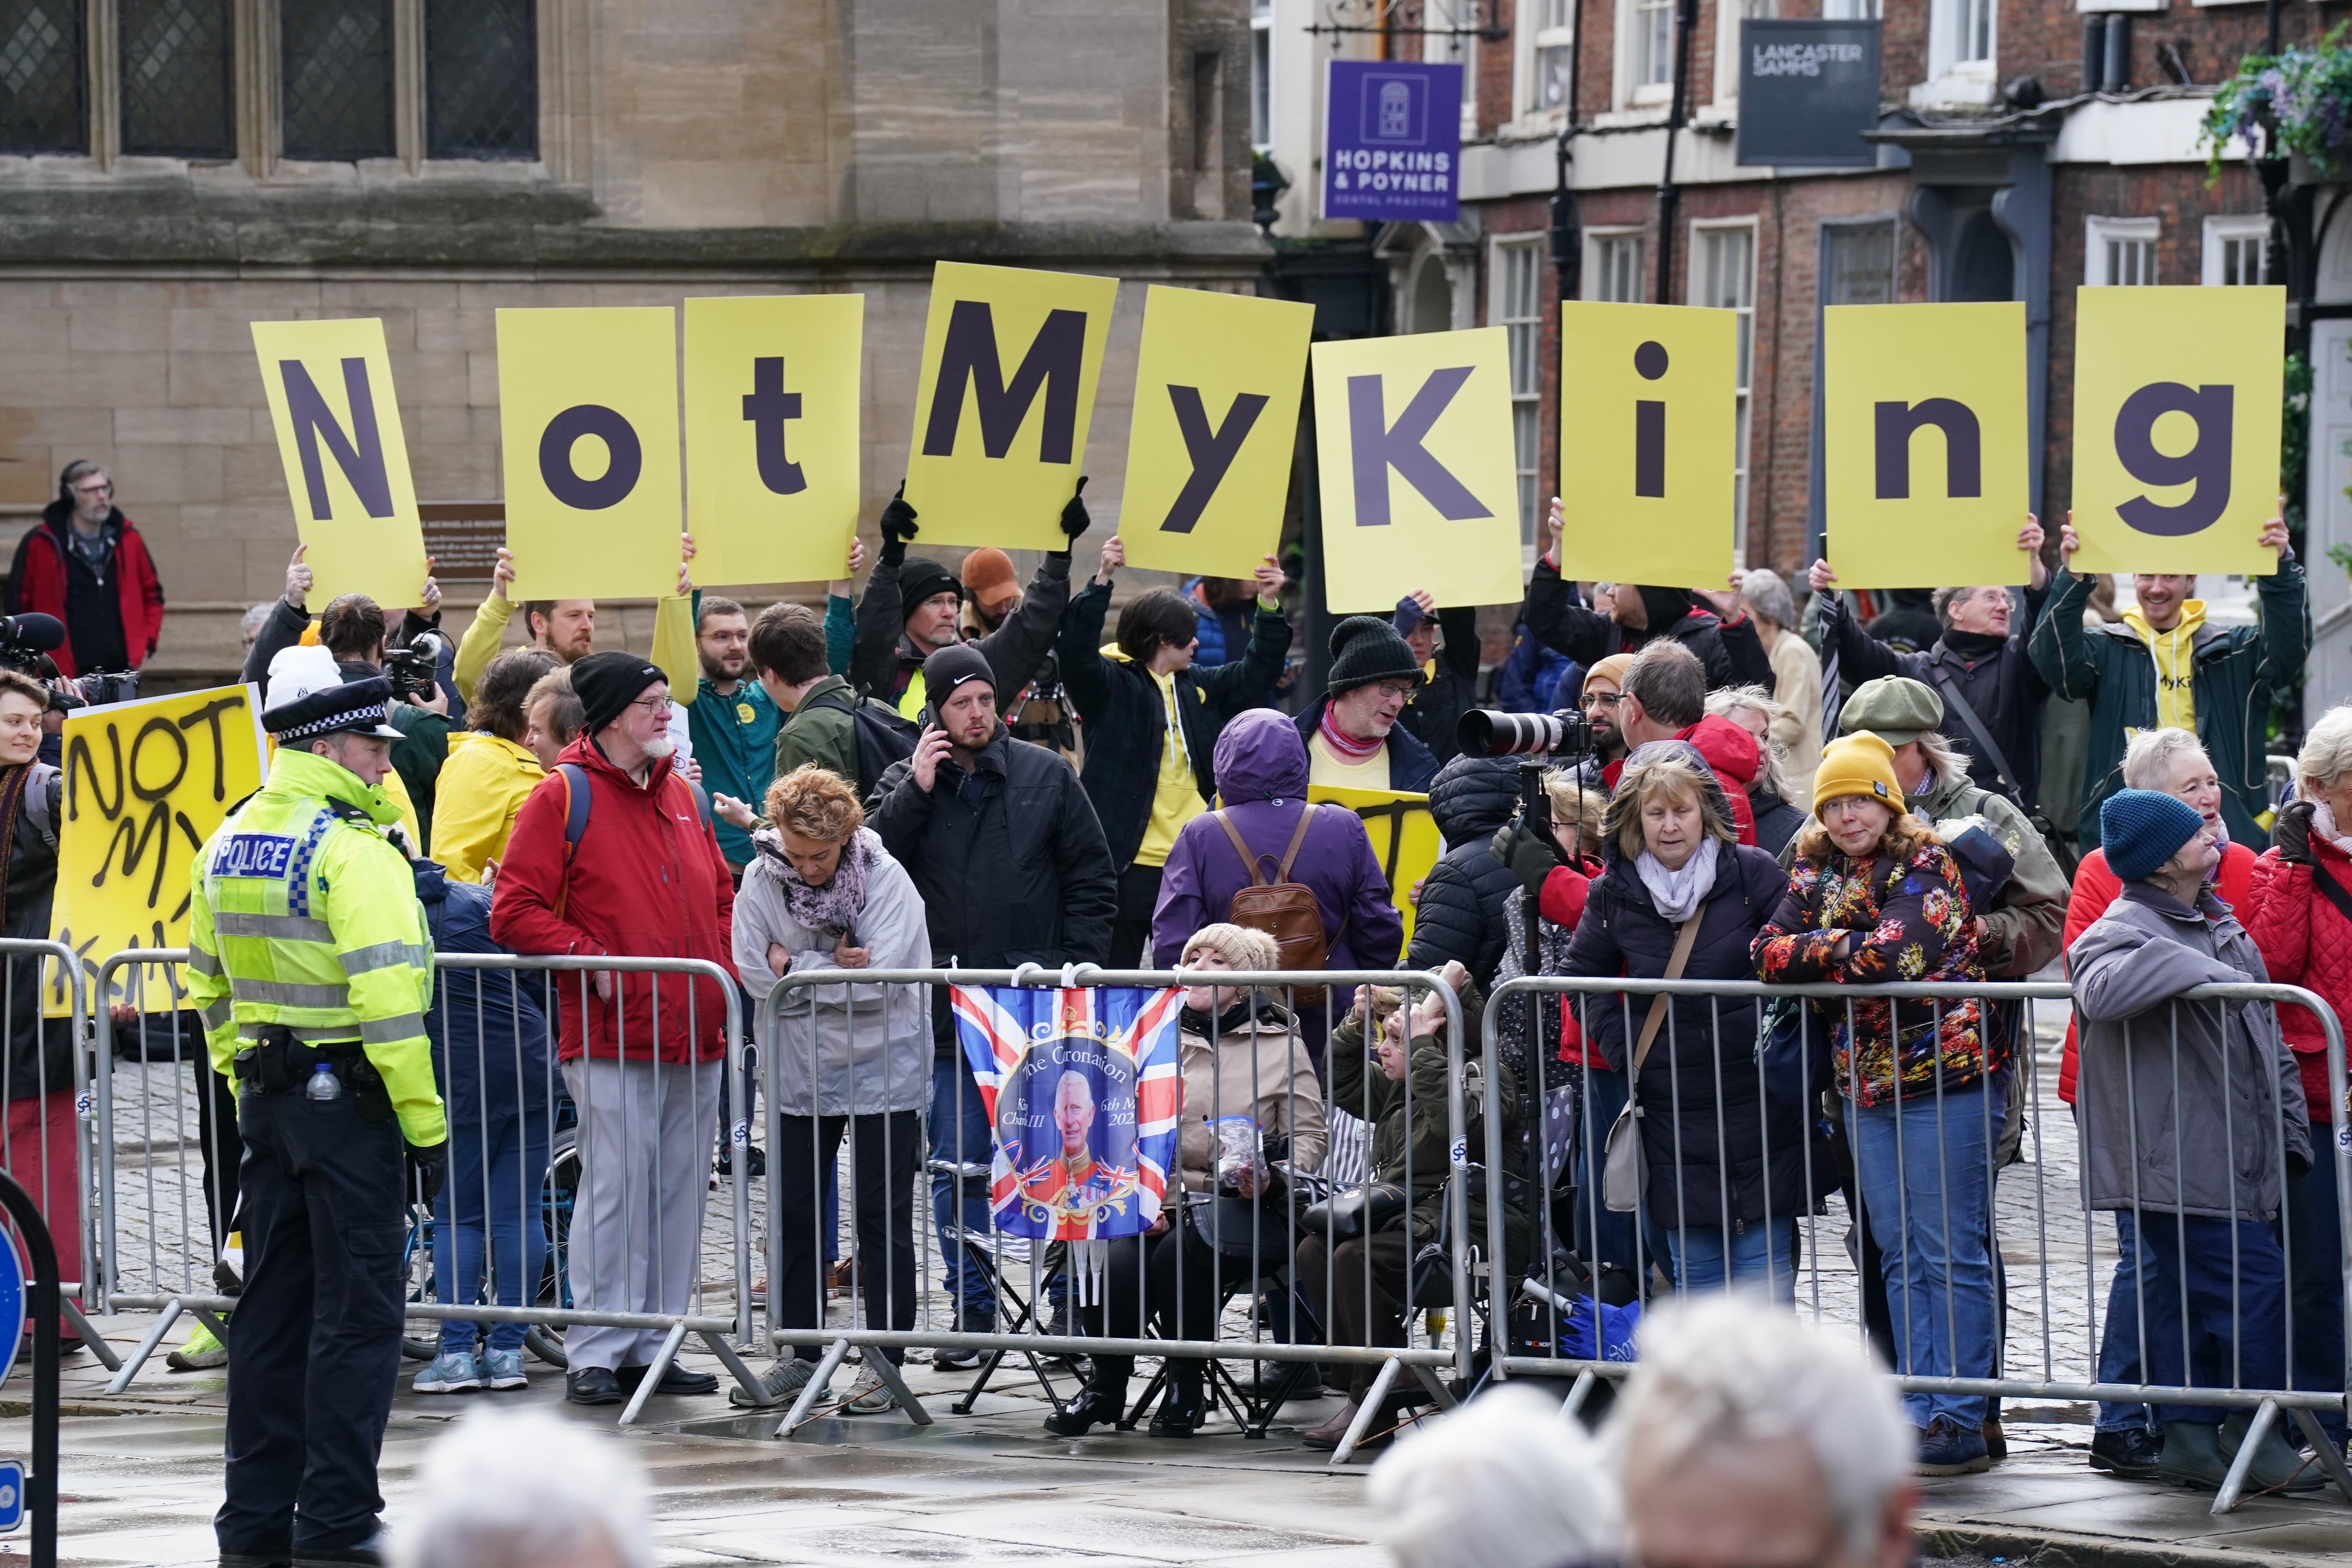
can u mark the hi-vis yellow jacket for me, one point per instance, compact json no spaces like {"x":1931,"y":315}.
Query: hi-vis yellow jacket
{"x":303,"y":915}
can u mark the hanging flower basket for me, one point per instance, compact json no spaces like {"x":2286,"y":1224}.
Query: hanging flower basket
{"x":2302,"y":98}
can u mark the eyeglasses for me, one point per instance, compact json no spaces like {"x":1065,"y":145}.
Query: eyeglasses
{"x":652,"y":704}
{"x":1606,"y":699}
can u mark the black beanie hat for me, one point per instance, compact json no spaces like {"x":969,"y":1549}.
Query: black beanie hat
{"x":1365,"y":648}
{"x":919,"y":579}
{"x":950,"y":668}
{"x":607,"y":682}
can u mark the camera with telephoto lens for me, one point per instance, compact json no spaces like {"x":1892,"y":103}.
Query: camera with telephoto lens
{"x":25,"y":643}
{"x":414,"y":670}
{"x":1566,"y":735}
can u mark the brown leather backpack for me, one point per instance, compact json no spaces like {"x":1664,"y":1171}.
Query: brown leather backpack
{"x":1284,"y":910}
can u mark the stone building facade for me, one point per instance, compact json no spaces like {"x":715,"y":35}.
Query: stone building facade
{"x":176,"y":169}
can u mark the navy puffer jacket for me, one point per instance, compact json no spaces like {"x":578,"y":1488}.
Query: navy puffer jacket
{"x":1460,"y":914}
{"x":1705,"y":1124}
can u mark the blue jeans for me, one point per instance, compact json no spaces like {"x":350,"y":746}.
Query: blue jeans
{"x":1931,"y":1217}
{"x":2119,"y":1336}
{"x":1760,"y":1249}
{"x":961,"y":1135}
{"x":2235,"y":1333}
{"x":2316,"y":1276}
{"x":503,"y":1162}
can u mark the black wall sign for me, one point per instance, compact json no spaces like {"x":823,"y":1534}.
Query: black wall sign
{"x":1808,"y":90}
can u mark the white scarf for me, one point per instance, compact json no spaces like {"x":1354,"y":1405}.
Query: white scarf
{"x":1678,"y":894}
{"x":2323,"y":823}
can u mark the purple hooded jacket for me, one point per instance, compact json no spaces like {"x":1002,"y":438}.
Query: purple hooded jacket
{"x":1262,"y":779}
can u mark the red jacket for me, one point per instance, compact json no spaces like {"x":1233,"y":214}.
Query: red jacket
{"x":2304,"y":940}
{"x":647,"y":881}
{"x":2095,"y":887}
{"x":1731,"y":751}
{"x":36,"y":582}
{"x":1561,"y":901}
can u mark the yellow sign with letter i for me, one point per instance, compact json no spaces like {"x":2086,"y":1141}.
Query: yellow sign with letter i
{"x":1002,"y":404}
{"x":588,"y":424}
{"x":1419,"y":481}
{"x":330,"y":400}
{"x":772,"y":436}
{"x":1404,"y":836}
{"x":1925,"y":444}
{"x":1217,"y":384}
{"x":1648,"y":419}
{"x":146,"y":783}
{"x":2177,"y":416}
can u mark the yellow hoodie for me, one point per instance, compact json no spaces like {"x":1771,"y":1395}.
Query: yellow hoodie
{"x":1176,"y":794}
{"x":2175,"y":653}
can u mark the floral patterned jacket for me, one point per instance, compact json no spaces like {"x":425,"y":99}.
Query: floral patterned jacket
{"x":1915,"y":925}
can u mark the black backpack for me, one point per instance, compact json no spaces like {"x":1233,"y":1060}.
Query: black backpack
{"x":884,"y":736}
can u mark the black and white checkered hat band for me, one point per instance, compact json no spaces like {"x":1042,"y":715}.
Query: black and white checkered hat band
{"x":369,"y":717}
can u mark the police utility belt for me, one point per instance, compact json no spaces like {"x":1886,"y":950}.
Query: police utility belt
{"x":278,"y":1063}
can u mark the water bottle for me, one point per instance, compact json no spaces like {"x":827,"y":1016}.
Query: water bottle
{"x":324,"y":1084}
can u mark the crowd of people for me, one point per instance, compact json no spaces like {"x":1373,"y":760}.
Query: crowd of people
{"x":952,"y":770}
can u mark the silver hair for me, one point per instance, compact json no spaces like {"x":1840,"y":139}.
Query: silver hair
{"x":1732,"y":1369}
{"x":522,"y":1490}
{"x":1942,"y":600}
{"x":1774,"y":771}
{"x":2147,"y":758}
{"x":1767,"y":593}
{"x":256,"y":618}
{"x":1505,"y":1481}
{"x":1949,"y":762}
{"x":2326,"y":754}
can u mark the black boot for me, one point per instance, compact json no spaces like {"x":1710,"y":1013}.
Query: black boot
{"x":1181,"y":1412}
{"x":1097,"y":1404}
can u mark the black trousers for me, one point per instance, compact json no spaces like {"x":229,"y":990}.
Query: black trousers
{"x":1359,"y":1291}
{"x":1175,"y":1278}
{"x":222,"y":1147}
{"x":315,"y":1339}
{"x":1130,"y":928}
{"x":886,"y":1151}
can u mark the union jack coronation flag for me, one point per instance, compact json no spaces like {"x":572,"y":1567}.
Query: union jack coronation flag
{"x":1083,"y":1092}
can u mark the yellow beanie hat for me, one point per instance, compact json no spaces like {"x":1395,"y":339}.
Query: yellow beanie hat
{"x":1857,"y":764}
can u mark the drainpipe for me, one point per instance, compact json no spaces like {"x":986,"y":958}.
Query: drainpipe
{"x":1685,"y":24}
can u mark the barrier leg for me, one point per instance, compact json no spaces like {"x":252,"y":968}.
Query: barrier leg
{"x":90,"y":1338}
{"x":1578,"y":1395}
{"x":163,"y":1321}
{"x":2235,"y":1482}
{"x":1435,"y":1384}
{"x":740,"y":1370}
{"x":803,"y":1407}
{"x":888,"y":1370}
{"x":655,"y":1371}
{"x":210,"y":1320}
{"x":2331,"y":1457}
{"x":1374,"y":1399}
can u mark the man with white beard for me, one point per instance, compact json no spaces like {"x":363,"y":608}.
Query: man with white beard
{"x":612,"y":854}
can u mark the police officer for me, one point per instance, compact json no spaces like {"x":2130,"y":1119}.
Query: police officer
{"x":311,"y":962}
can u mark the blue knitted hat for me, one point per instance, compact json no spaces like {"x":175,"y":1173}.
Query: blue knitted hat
{"x":2143,"y":828}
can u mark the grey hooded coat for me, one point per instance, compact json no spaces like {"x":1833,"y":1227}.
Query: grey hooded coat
{"x":2180,"y":1107}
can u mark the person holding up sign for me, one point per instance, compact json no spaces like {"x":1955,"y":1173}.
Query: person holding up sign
{"x":1992,"y":695}
{"x":2163,"y":665}
{"x":910,"y":609}
{"x":1153,"y":718}
{"x":1713,"y":624}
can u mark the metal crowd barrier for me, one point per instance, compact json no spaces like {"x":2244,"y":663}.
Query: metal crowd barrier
{"x":552,"y":1127}
{"x":1974,"y":1134}
{"x":849,"y":1055}
{"x":45,"y":1137}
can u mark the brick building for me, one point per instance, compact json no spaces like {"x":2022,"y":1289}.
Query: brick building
{"x":2006,"y":170}
{"x":170,"y":169}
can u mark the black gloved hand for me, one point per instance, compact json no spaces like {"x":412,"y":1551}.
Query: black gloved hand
{"x":898,"y":526}
{"x":2297,"y":1166}
{"x":426,"y":1166}
{"x":1074,"y":521}
{"x":2291,"y":833}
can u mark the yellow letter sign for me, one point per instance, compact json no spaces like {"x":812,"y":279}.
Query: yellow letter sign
{"x":1217,"y":384}
{"x":1420,"y":487}
{"x":330,"y":399}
